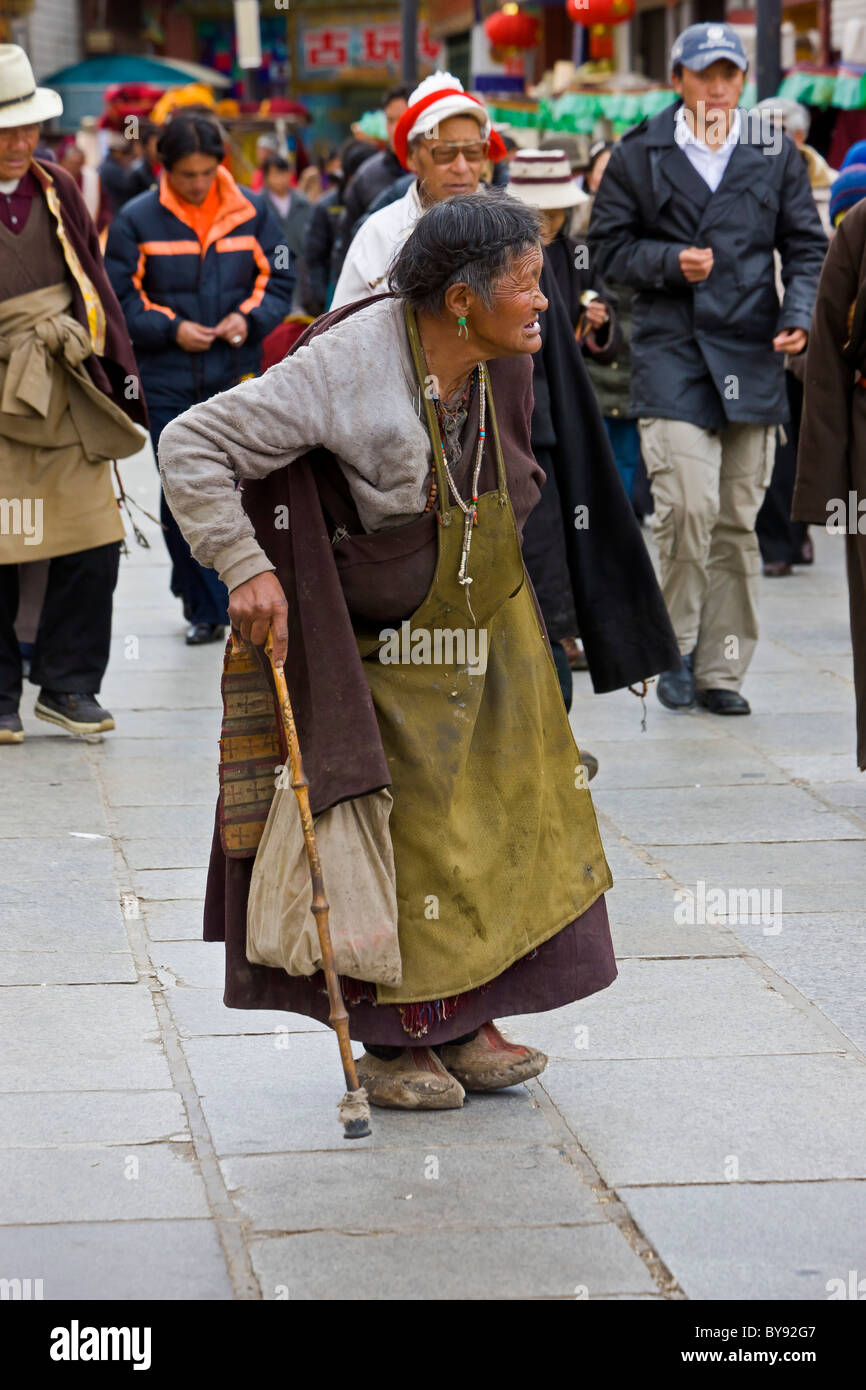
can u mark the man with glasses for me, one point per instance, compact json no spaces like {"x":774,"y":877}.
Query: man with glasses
{"x":444,"y":137}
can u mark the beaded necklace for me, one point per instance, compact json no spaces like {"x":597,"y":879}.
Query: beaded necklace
{"x":468,"y":508}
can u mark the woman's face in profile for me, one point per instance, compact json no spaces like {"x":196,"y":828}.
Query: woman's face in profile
{"x":512,"y":326}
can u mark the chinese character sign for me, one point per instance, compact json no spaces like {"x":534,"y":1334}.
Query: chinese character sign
{"x":326,"y":50}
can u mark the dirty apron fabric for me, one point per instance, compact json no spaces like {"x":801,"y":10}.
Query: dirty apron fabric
{"x":58,"y":431}
{"x":495,"y":839}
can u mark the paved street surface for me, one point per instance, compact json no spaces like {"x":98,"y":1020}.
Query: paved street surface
{"x":700,"y":1129}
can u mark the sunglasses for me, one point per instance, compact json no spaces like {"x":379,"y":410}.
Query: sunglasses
{"x":447,"y":152}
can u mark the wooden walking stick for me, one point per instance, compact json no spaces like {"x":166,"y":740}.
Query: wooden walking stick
{"x":354,"y":1109}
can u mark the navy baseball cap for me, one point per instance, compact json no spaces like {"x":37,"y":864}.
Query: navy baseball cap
{"x":702,"y":44}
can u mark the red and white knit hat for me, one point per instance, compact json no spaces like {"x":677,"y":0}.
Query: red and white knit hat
{"x":437,"y":98}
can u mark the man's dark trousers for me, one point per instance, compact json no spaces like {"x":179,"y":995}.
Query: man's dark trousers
{"x":73,"y":639}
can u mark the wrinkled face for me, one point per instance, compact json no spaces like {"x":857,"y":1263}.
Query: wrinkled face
{"x":459,"y":141}
{"x":17,"y":144}
{"x":393,"y":112}
{"x":191,"y":177}
{"x":511,"y":326}
{"x":714,"y":91}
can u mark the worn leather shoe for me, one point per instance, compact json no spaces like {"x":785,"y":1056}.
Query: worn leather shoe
{"x":199,"y":633}
{"x":489,"y":1063}
{"x":11,"y":729}
{"x":777,"y":569}
{"x":77,"y":713}
{"x":413,"y":1080}
{"x":724,"y":702}
{"x":676,"y":688}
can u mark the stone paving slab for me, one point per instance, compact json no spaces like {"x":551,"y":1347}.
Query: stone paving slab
{"x":180,"y":689}
{"x":58,"y":857}
{"x":756,"y":1242}
{"x":174,"y":724}
{"x":141,"y":781}
{"x":202,"y":1013}
{"x":66,"y":967}
{"x":784,"y":732}
{"x":170,"y":884}
{"x":172,"y":921}
{"x":33,"y":926}
{"x":80,"y":1038}
{"x":674,"y":1008}
{"x":548,"y":1262}
{"x":821,"y":953}
{"x":139,"y":1182}
{"x":290,"y":1093}
{"x":185,"y":852}
{"x":784,"y":1118}
{"x":190,"y":964}
{"x":698,"y":815}
{"x":49,"y":1118}
{"x":410,"y":1190}
{"x":831,"y":871}
{"x":635,"y":763}
{"x":641,"y":914}
{"x":159,"y":650}
{"x":32,"y":816}
{"x":811,"y":693}
{"x":602,"y":718}
{"x":154,"y":822}
{"x":849,"y":1015}
{"x":128,"y":1260}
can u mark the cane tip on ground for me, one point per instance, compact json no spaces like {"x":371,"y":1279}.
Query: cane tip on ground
{"x":354,"y":1113}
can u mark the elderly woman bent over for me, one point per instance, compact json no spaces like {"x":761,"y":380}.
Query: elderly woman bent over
{"x":387,"y":474}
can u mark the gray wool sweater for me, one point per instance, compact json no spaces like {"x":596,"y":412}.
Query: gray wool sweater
{"x":352,"y":390}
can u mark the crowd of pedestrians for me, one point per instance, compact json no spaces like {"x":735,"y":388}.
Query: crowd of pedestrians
{"x":680,"y":268}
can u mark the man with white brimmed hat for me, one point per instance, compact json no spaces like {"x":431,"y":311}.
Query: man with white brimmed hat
{"x":693,"y":206}
{"x":68,"y":396}
{"x":445,"y":137}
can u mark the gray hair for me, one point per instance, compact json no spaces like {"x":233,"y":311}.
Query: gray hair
{"x":468,"y":240}
{"x":792,"y":114}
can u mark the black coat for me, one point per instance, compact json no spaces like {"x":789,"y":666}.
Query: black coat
{"x":599,"y":567}
{"x":704,"y":353}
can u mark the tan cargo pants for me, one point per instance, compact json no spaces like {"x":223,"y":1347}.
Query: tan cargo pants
{"x":708,"y":486}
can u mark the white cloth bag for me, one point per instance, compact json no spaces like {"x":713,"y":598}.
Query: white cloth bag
{"x":357,"y":860}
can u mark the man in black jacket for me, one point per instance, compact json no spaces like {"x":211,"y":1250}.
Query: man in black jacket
{"x":690,"y":211}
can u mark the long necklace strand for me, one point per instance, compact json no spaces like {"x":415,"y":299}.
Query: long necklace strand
{"x":469,"y":509}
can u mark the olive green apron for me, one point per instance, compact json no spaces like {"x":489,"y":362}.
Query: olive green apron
{"x":495,"y":838}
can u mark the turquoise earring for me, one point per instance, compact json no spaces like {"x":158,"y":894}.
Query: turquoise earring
{"x":462,"y":327}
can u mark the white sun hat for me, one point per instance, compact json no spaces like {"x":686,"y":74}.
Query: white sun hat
{"x":542,"y":178}
{"x":21,"y":101}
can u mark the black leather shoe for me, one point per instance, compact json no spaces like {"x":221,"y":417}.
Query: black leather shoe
{"x":11,"y":729}
{"x":79,"y":714}
{"x":777,"y":569}
{"x":724,"y":702}
{"x":199,"y":633}
{"x":676,"y":688}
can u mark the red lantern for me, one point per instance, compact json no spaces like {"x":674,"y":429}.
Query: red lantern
{"x":510,"y":28}
{"x":590,"y":12}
